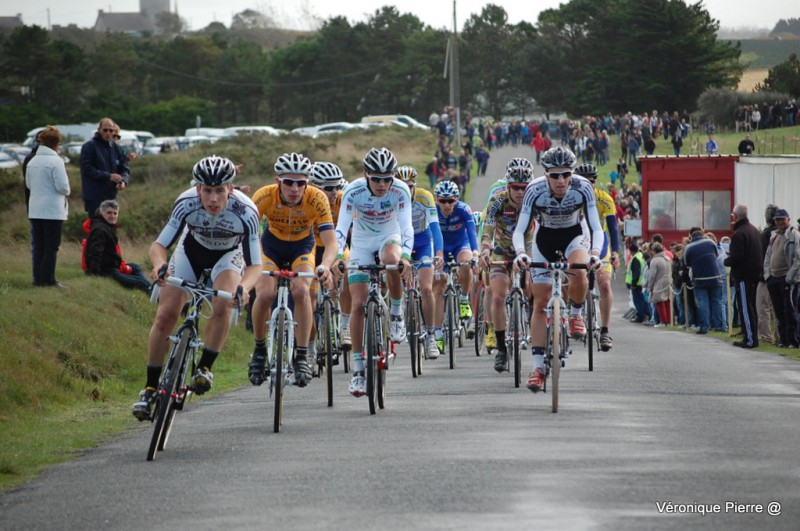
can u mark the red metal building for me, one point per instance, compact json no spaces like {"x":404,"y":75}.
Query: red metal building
{"x":679,"y":193}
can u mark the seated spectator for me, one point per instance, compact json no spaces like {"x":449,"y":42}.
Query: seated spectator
{"x":102,"y":253}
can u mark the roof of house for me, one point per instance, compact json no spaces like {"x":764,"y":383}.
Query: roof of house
{"x":123,"y":22}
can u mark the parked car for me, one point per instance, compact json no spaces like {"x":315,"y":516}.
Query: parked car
{"x":161,"y":144}
{"x":402,"y":118}
{"x":8,"y":161}
{"x":16,"y":151}
{"x":251,"y":129}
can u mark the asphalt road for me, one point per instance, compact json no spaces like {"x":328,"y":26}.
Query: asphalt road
{"x":668,"y":422}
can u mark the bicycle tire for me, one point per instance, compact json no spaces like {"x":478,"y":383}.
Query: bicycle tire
{"x":590,"y":318}
{"x":555,"y":360}
{"x":412,"y":331}
{"x":423,"y":349}
{"x":165,"y":411}
{"x":516,"y":336}
{"x":279,"y":343}
{"x":450,"y":336}
{"x":327,"y":331}
{"x":383,"y":360}
{"x":370,"y":352}
{"x":480,"y":317}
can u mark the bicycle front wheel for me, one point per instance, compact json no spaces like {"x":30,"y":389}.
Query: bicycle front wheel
{"x":279,"y":344}
{"x":327,"y":342}
{"x":165,"y":403}
{"x":590,"y":318}
{"x":451,"y":320}
{"x":412,"y":328}
{"x":555,"y":352}
{"x":515,"y":334}
{"x":480,"y":317}
{"x":371,"y":352}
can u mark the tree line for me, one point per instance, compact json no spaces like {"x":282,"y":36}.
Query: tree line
{"x":585,"y":57}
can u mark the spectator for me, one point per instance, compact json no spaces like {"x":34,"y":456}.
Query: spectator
{"x":744,"y":259}
{"x":711,"y":146}
{"x":538,"y":145}
{"x":103,"y":255}
{"x":746,"y":146}
{"x":622,"y":171}
{"x":46,"y":178}
{"x":766,"y":315}
{"x":782,"y":270}
{"x":658,"y":283}
{"x":677,"y":144}
{"x":104,"y":167}
{"x":634,"y":279}
{"x":482,"y":157}
{"x":432,"y":171}
{"x":701,"y":256}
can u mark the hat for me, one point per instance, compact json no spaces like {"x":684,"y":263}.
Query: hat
{"x":780,"y":213}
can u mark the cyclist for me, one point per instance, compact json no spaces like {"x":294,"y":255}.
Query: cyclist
{"x":216,"y":228}
{"x":460,"y":239}
{"x":329,"y":178}
{"x":566,"y":222}
{"x":606,"y":211}
{"x":502,"y":213}
{"x":498,"y":187}
{"x":379,"y":209}
{"x":292,"y":209}
{"x":427,"y":246}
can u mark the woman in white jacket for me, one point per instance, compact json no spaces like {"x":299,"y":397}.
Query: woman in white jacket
{"x":46,"y":178}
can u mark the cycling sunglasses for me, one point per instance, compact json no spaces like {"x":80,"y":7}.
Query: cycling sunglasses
{"x":560,"y":175}
{"x":446,"y":201}
{"x":331,"y":187}
{"x":517,"y":186}
{"x":381,"y":179}
{"x":294,"y":183}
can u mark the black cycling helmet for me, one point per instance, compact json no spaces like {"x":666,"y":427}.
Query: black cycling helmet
{"x":558,"y":157}
{"x":587,"y":170}
{"x":214,"y":171}
{"x":380,"y":161}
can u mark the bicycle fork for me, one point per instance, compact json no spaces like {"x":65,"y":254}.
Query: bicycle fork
{"x":287,"y":371}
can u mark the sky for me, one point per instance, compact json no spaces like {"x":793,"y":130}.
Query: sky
{"x":299,"y":14}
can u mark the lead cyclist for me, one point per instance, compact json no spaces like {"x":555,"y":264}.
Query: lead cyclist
{"x":566,"y":222}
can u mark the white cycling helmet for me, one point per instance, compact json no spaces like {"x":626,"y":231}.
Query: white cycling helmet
{"x":293,"y":163}
{"x":325,"y":174}
{"x":380,"y":161}
{"x":558,"y":157}
{"x":446,"y":190}
{"x":213,"y":171}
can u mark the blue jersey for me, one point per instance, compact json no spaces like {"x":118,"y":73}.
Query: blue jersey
{"x":458,"y":228}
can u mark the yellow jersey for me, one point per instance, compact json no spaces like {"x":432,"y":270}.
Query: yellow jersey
{"x":335,"y":206}
{"x":293,"y":223}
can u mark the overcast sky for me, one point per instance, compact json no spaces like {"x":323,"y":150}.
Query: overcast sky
{"x":299,"y":13}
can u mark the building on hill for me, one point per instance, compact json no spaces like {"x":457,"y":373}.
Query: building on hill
{"x":143,"y":22}
{"x":9,"y":23}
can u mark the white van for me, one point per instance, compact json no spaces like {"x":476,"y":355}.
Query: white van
{"x":402,"y":118}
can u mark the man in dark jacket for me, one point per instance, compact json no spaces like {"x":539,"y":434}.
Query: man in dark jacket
{"x":701,"y":255}
{"x":104,"y":167}
{"x":766,"y":315}
{"x":744,"y":259}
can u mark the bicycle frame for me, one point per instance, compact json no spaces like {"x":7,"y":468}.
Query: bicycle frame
{"x":173,"y":390}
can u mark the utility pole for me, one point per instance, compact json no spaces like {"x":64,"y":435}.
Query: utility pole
{"x":49,"y":27}
{"x":455,"y":88}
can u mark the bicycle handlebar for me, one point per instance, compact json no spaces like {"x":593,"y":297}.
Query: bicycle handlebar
{"x":193,"y":287}
{"x":376,"y":267}
{"x":557,"y":265}
{"x":284,"y":273}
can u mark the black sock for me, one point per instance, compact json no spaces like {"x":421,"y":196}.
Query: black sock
{"x":261,"y":346}
{"x":603,"y":329}
{"x":208,"y":358}
{"x":302,"y":352}
{"x":153,"y":375}
{"x":500,"y":336}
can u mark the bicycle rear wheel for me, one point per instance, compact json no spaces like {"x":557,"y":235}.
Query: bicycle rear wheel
{"x":327,"y":342}
{"x":279,"y":344}
{"x":371,"y":352}
{"x":590,"y":324}
{"x":515,"y":335}
{"x":450,"y":323}
{"x":555,"y":352}
{"x":412,"y":328}
{"x":480,"y":317}
{"x":165,"y":403}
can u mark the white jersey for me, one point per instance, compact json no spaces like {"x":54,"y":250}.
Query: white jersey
{"x":374,"y":217}
{"x":576,"y":207}
{"x":234,"y":226}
